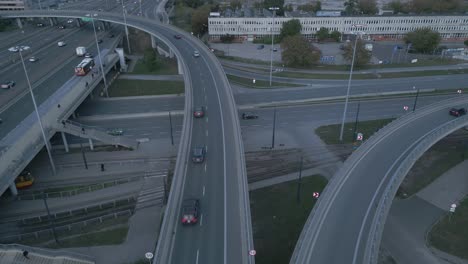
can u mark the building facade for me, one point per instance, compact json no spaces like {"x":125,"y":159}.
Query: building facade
{"x":375,"y":27}
{"x":11,"y":5}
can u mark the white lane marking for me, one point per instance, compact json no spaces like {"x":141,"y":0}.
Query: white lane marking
{"x":198,"y":253}
{"x":203,"y":190}
{"x":206,"y":119}
{"x":204,"y":186}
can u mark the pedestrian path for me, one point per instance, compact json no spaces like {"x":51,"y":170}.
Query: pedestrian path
{"x":19,"y":254}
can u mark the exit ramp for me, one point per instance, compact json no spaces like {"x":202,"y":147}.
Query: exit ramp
{"x":96,"y":133}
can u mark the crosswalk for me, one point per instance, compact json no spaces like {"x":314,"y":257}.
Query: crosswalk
{"x":152,"y":191}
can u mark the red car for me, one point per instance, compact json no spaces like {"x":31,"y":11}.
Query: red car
{"x":199,"y":112}
{"x":457,"y":112}
{"x":177,"y":36}
{"x":190,"y":211}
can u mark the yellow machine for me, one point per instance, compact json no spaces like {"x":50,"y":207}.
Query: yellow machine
{"x":24,"y":180}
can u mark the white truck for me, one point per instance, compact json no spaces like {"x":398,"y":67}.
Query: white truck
{"x":80,"y":51}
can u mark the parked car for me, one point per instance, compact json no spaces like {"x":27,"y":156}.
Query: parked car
{"x":249,"y":115}
{"x":457,"y":112}
{"x":199,"y":112}
{"x":190,"y":211}
{"x":33,"y":59}
{"x":198,"y":154}
{"x":8,"y":85}
{"x":115,"y":132}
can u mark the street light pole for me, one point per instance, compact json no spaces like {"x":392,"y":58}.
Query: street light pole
{"x":272,"y":40}
{"x":415,"y":99}
{"x":356,"y":122}
{"x":349,"y":87}
{"x":141,"y":12}
{"x":274,"y":127}
{"x":99,"y":54}
{"x":299,"y":181}
{"x":46,"y":141}
{"x":170,"y":124}
{"x":124,"y":11}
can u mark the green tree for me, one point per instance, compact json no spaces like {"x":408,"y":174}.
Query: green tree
{"x":351,"y":7}
{"x":200,"y":19}
{"x":465,"y":42}
{"x":297,"y":51}
{"x":318,"y":6}
{"x":290,"y":28}
{"x":362,"y":57}
{"x":368,"y":7}
{"x":236,"y":4}
{"x":423,"y":40}
{"x":322,"y":34}
{"x":336,"y":35}
{"x":398,"y":6}
{"x":193,"y":3}
{"x":150,"y":60}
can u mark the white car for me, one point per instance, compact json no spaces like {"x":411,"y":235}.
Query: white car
{"x":33,"y":59}
{"x":61,"y":43}
{"x":196,"y":53}
{"x":8,"y":85}
{"x":14,"y":49}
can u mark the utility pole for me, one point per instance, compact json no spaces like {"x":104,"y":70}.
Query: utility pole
{"x":49,"y":218}
{"x":272,"y":40}
{"x":415,"y":99}
{"x":356,"y":121}
{"x":299,"y":181}
{"x":170,"y":124}
{"x":274,"y":127}
{"x":84,"y":156}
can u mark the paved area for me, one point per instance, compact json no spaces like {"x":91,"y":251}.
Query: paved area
{"x":449,"y":189}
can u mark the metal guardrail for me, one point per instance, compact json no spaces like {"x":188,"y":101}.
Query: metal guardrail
{"x":378,"y":223}
{"x":310,"y":232}
{"x":48,"y":252}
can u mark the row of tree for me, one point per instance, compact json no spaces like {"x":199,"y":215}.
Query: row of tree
{"x":427,"y":6}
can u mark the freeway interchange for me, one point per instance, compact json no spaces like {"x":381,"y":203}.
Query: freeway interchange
{"x":331,"y":220}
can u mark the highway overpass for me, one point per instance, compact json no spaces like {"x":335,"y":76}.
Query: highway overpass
{"x":221,"y":184}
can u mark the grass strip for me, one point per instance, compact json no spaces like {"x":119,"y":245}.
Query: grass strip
{"x":278,"y":218}
{"x":259,"y":84}
{"x":165,"y":67}
{"x":450,"y":234}
{"x":122,"y":87}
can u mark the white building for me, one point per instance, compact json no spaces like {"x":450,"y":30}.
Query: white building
{"x":375,"y":27}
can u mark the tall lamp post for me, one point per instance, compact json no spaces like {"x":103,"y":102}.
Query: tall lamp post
{"x":99,"y":53}
{"x":124,"y":11}
{"x":272,"y":40}
{"x":46,"y":141}
{"x":357,"y":34}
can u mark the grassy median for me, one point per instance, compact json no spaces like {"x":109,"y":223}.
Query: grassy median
{"x":165,"y":67}
{"x":450,"y":234}
{"x":258,"y":83}
{"x":123,"y":87}
{"x":278,"y":218}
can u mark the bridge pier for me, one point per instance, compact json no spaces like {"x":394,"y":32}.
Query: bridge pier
{"x":18,"y":21}
{"x":13,"y":189}
{"x":74,"y":115}
{"x":179,"y":67}
{"x":51,"y":21}
{"x":154,"y":44}
{"x":65,"y":142}
{"x":123,"y":64}
{"x":78,"y":22}
{"x":171,"y":53}
{"x":91,"y":145}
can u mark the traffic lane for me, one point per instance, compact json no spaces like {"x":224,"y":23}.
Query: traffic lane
{"x":117,"y":106}
{"x":17,"y":37}
{"x":342,"y":224}
{"x":23,"y":107}
{"x":50,"y":59}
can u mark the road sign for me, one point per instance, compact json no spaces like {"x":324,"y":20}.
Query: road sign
{"x":360,"y":136}
{"x":149,"y":255}
{"x":252,"y":252}
{"x":406,"y":107}
{"x":86,"y":19}
{"x":315,"y":195}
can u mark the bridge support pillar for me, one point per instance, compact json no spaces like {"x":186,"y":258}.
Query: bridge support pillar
{"x":154,"y":44}
{"x":51,"y":21}
{"x":179,"y":67}
{"x":73,"y":115}
{"x":171,"y":53}
{"x":78,"y":22}
{"x":91,"y":145}
{"x":65,"y":142}
{"x":13,"y":189}
{"x":123,"y":64}
{"x":18,"y":21}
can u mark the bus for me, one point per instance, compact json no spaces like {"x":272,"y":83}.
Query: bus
{"x":84,"y":67}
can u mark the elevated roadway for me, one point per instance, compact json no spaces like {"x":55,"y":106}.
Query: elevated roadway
{"x":220,"y":184}
{"x":347,"y":223}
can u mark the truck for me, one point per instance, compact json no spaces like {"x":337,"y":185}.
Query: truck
{"x":80,"y":51}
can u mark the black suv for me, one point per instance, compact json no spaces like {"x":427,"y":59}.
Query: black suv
{"x":457,"y":112}
{"x":198,"y":154}
{"x":249,"y":115}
